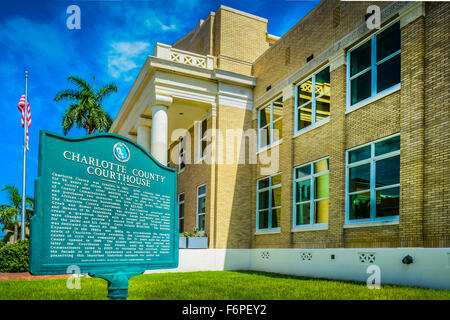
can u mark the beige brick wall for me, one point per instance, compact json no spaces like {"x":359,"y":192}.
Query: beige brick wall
{"x":234,"y":38}
{"x":200,"y":39}
{"x":436,"y":123}
{"x":233,"y":183}
{"x":419,"y":111}
{"x":311,"y":35}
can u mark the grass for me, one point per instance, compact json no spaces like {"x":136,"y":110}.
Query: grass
{"x":217,"y":285}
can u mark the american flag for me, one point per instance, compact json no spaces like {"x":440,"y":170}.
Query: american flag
{"x":22,"y":108}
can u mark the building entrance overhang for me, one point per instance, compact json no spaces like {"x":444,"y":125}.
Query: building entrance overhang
{"x":187,"y":87}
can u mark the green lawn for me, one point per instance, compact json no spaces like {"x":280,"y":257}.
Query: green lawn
{"x":216,"y":285}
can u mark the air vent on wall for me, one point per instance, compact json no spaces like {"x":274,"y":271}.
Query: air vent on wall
{"x":310,"y":58}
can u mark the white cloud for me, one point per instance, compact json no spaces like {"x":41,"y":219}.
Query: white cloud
{"x":123,"y":57}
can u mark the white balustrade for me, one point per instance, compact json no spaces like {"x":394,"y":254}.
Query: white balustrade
{"x":166,"y":52}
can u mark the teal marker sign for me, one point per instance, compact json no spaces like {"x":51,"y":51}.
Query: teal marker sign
{"x":104,"y":205}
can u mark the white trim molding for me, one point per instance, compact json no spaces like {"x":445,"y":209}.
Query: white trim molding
{"x":411,"y":12}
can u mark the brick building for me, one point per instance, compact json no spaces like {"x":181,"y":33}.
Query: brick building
{"x":339,"y":133}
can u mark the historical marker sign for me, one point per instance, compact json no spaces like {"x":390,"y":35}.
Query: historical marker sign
{"x":104,"y":204}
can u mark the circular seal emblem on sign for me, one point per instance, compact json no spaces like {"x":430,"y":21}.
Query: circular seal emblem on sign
{"x":121,"y":152}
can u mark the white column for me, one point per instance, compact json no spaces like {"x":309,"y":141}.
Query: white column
{"x":160,"y":124}
{"x":143,"y":137}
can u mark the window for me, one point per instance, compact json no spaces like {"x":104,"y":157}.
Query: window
{"x":201,"y":207}
{"x":181,"y":212}
{"x":270,"y":120}
{"x":311,"y":185}
{"x":374,"y":66}
{"x":312,"y":100}
{"x":373,"y":181}
{"x":202,"y":139}
{"x":268,"y":203}
{"x":182,"y":154}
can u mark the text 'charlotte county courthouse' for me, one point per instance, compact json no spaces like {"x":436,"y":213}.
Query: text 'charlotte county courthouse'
{"x":315,"y":153}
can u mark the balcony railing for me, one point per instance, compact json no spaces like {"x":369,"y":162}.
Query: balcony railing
{"x":166,"y":52}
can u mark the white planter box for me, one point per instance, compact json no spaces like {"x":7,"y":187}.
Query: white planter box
{"x":183,"y":243}
{"x":197,"y":242}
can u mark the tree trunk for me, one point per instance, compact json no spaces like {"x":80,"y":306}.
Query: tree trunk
{"x":15,"y":230}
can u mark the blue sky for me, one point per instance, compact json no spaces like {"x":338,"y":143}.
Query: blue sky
{"x":114,"y":40}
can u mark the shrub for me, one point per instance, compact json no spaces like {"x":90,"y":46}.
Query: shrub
{"x":15,"y":257}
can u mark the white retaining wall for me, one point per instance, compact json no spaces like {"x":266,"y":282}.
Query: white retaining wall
{"x":430,"y":267}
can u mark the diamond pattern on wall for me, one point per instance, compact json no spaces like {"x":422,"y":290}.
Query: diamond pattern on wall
{"x":265,"y":255}
{"x":366,"y":257}
{"x":305,"y":256}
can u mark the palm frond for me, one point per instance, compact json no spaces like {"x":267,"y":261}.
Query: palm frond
{"x":13,"y":195}
{"x":67,"y":94}
{"x":105,"y":92}
{"x":80,"y":83}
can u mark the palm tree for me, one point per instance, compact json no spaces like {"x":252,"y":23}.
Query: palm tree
{"x":11,"y":211}
{"x":85,"y":109}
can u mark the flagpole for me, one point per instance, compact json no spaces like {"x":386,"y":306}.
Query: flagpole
{"x":22,"y":235}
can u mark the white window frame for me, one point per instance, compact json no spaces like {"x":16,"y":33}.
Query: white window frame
{"x":312,"y":199}
{"x":179,"y":203}
{"x":268,"y":125}
{"x":270,"y":208}
{"x":373,"y":66}
{"x":200,"y":139}
{"x":313,"y":100}
{"x":372,"y":189}
{"x":203,"y":195}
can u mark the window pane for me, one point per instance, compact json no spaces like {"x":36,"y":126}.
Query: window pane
{"x":359,"y":178}
{"x":277,"y":109}
{"x":201,"y":222}
{"x":181,"y":226}
{"x":304,"y":92}
{"x":276,"y":179}
{"x":264,"y":137}
{"x":263,"y":222}
{"x":276,"y":197}
{"x":303,"y":171}
{"x":388,"y":73}
{"x":181,"y":210}
{"x":321,"y":165}
{"x":360,"y":58}
{"x":278,"y":130}
{"x":387,"y":171}
{"x":264,"y":183}
{"x":201,"y":205}
{"x":276,"y":218}
{"x":303,"y":214}
{"x":322,"y":109}
{"x":386,"y":146}
{"x":321,"y":211}
{"x":181,"y":197}
{"x":264,"y":116}
{"x":204,"y":126}
{"x":359,"y":206}
{"x":388,"y":201}
{"x":323,"y":81}
{"x":263,"y":200}
{"x":359,"y":154}
{"x":388,"y":41}
{"x":303,"y":190}
{"x":201,"y":190}
{"x":321,"y":187}
{"x":361,"y":87}
{"x":304,"y":116}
